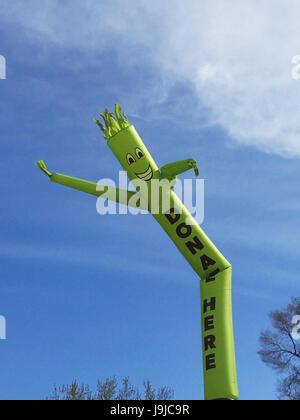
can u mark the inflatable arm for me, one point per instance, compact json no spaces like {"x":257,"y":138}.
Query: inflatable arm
{"x":114,"y":194}
{"x":171,"y":170}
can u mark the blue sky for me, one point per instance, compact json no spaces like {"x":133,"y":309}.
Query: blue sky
{"x":87,"y":296}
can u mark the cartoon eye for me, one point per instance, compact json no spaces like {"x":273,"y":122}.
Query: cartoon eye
{"x":139,"y":153}
{"x":130,"y":159}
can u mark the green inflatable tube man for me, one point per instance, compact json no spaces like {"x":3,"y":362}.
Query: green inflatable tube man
{"x":214,"y":270}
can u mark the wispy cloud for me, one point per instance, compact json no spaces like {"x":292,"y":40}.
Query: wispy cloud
{"x":94,"y":259}
{"x":237,"y":55}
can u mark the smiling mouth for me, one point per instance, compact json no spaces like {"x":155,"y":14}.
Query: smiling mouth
{"x":146,"y":176}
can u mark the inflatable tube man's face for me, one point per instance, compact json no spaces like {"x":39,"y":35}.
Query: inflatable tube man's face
{"x":133,"y":155}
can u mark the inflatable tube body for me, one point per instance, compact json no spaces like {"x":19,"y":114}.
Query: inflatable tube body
{"x":214,"y":270}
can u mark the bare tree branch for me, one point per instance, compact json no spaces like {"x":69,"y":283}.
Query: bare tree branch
{"x":281,"y":352}
{"x":110,"y":390}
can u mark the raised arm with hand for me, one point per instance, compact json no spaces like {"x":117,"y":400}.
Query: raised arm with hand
{"x":171,"y":170}
{"x":114,"y":194}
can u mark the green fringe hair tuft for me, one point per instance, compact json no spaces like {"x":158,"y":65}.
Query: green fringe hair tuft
{"x":114,"y":122}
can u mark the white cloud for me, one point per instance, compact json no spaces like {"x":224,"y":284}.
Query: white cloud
{"x":237,"y":54}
